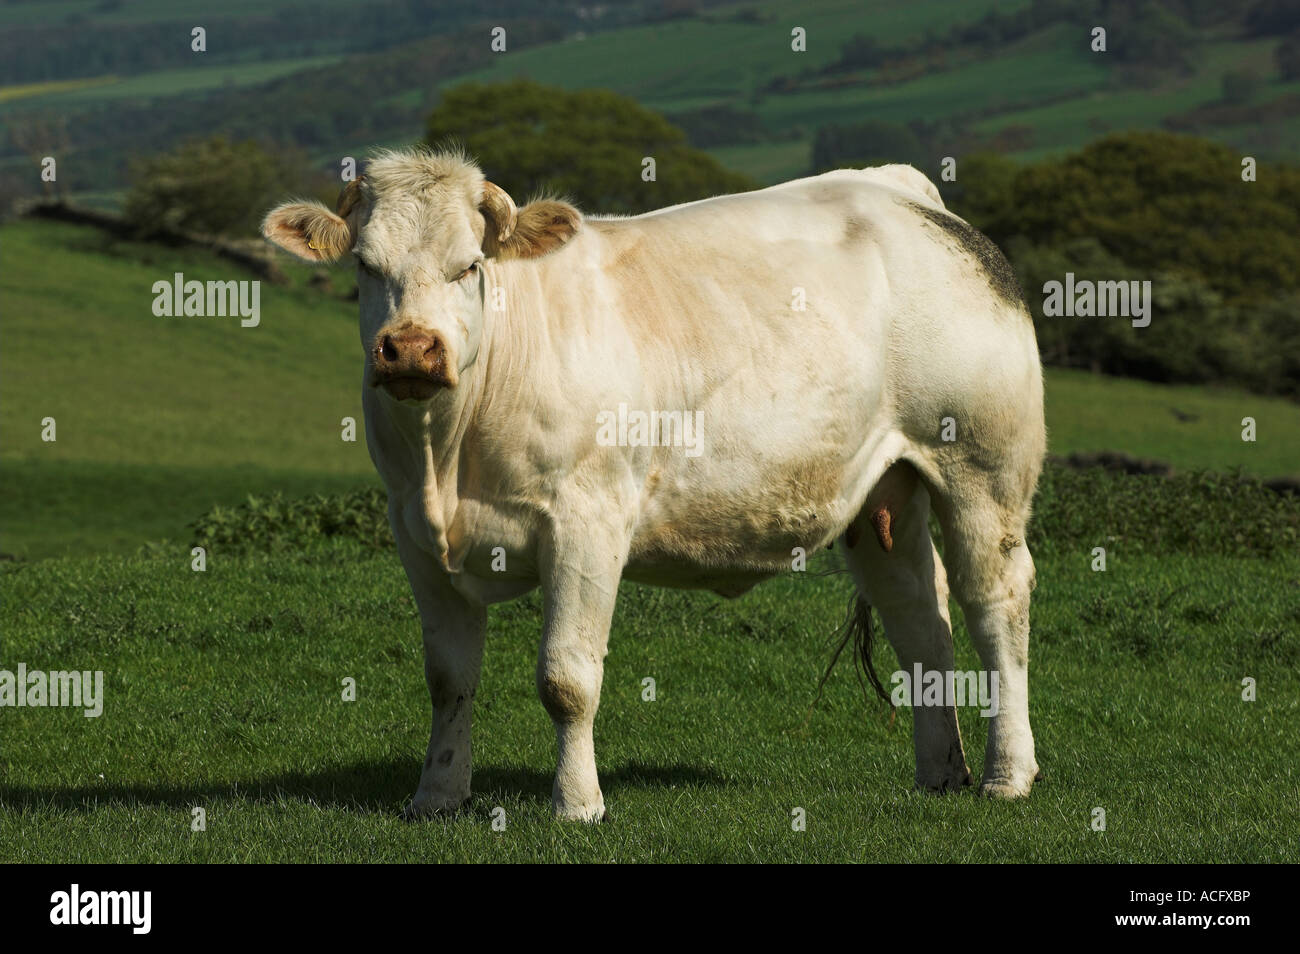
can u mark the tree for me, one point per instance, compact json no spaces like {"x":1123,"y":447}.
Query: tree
{"x":1160,"y":201}
{"x":860,"y":51}
{"x":211,"y":186}
{"x":983,"y":192}
{"x":1239,"y":86}
{"x":587,"y":145}
{"x":1273,"y":17}
{"x":1287,"y":58}
{"x":869,"y":143}
{"x":1149,"y":36}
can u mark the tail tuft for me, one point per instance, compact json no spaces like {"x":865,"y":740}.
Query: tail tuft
{"x":858,"y":630}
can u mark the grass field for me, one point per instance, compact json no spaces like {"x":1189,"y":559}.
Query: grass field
{"x":157,"y":84}
{"x":224,"y":688}
{"x":1190,"y":427}
{"x":223,"y":691}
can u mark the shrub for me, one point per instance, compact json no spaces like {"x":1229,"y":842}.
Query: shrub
{"x":210,"y":186}
{"x":1203,"y":513}
{"x":273,"y":524}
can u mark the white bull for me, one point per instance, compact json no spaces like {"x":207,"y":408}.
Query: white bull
{"x":857,"y":356}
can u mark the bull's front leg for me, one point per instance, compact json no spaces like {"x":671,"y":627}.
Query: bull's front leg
{"x":580,"y":574}
{"x":453,"y":631}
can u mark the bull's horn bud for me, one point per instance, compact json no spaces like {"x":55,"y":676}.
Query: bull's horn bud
{"x":500,"y":208}
{"x":349,"y":197}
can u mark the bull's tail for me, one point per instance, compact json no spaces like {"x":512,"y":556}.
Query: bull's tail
{"x":858,"y":630}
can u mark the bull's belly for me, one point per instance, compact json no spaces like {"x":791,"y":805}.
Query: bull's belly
{"x":731,"y":549}
{"x":720,"y":551}
{"x":484,"y":590}
{"x":682,"y":576}
{"x":717,"y":529}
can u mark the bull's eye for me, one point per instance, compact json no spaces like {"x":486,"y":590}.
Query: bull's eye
{"x":471,"y":270}
{"x":367,"y":268}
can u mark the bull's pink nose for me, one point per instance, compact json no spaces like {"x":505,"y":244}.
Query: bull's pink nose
{"x":411,"y":354}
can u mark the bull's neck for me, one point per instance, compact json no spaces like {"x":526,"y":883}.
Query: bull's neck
{"x":512,"y":348}
{"x":437,"y":428}
{"x":418,"y":452}
{"x":436,"y":431}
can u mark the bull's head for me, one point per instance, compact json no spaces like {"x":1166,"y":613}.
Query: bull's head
{"x":423,"y":228}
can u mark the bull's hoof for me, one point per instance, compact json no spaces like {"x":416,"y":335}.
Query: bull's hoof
{"x":952,"y":778}
{"x":944,"y":786}
{"x":423,"y":809}
{"x":1006,"y":788}
{"x":590,"y":814}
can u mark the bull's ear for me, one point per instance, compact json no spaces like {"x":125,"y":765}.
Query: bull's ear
{"x":311,"y":231}
{"x":308,"y":230}
{"x":539,"y":227}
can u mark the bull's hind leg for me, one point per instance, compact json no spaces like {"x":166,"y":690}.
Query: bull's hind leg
{"x":992,"y":574}
{"x":907,"y":586}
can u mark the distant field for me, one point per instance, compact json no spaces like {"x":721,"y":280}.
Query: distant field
{"x":44,"y":12}
{"x":10,"y":94}
{"x":712,"y":57}
{"x":1029,"y":73}
{"x":162,"y":83}
{"x":1049,"y":82}
{"x":768,"y":161}
{"x":1088,"y":412}
{"x":1073,"y":123}
{"x":157,"y":418}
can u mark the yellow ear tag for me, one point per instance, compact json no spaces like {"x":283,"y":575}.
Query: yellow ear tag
{"x":313,"y":246}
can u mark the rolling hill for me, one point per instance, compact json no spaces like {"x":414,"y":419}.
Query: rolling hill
{"x":1026,"y":95}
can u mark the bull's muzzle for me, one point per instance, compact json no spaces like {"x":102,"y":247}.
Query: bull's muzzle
{"x":411,"y":364}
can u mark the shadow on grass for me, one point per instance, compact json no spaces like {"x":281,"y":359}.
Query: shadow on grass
{"x":373,"y":787}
